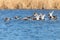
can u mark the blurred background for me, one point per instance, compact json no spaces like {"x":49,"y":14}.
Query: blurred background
{"x":29,"y":4}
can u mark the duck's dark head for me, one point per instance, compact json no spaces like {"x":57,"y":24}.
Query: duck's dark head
{"x":35,"y":14}
{"x":16,"y":17}
{"x":7,"y":19}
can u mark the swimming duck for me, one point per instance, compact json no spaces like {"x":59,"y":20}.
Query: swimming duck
{"x":26,"y":18}
{"x":35,"y":16}
{"x":38,"y":17}
{"x":42,"y":17}
{"x":29,"y":17}
{"x":16,"y":17}
{"x":51,"y":16}
{"x":7,"y":19}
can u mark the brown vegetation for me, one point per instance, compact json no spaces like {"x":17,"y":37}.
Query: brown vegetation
{"x":29,"y":4}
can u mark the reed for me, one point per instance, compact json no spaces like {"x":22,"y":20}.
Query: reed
{"x":29,"y":4}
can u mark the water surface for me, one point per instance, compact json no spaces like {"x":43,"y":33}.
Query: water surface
{"x":29,"y":30}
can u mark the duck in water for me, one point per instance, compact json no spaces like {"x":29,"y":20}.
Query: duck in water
{"x":42,"y":17}
{"x":39,"y":17}
{"x":35,"y":16}
{"x":26,"y":18}
{"x":7,"y":19}
{"x":51,"y":16}
{"x":16,"y":17}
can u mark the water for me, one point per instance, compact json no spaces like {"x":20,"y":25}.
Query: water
{"x":29,"y":30}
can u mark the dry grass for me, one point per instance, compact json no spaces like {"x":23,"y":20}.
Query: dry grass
{"x":29,"y":4}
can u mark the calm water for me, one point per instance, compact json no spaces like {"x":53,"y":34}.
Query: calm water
{"x":29,"y":30}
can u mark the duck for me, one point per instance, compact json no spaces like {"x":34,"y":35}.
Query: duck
{"x":38,"y":16}
{"x":16,"y":17}
{"x":51,"y":16}
{"x":35,"y":16}
{"x":26,"y":18}
{"x":42,"y":17}
{"x":7,"y":19}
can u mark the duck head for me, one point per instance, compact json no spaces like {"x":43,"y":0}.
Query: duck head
{"x":35,"y":14}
